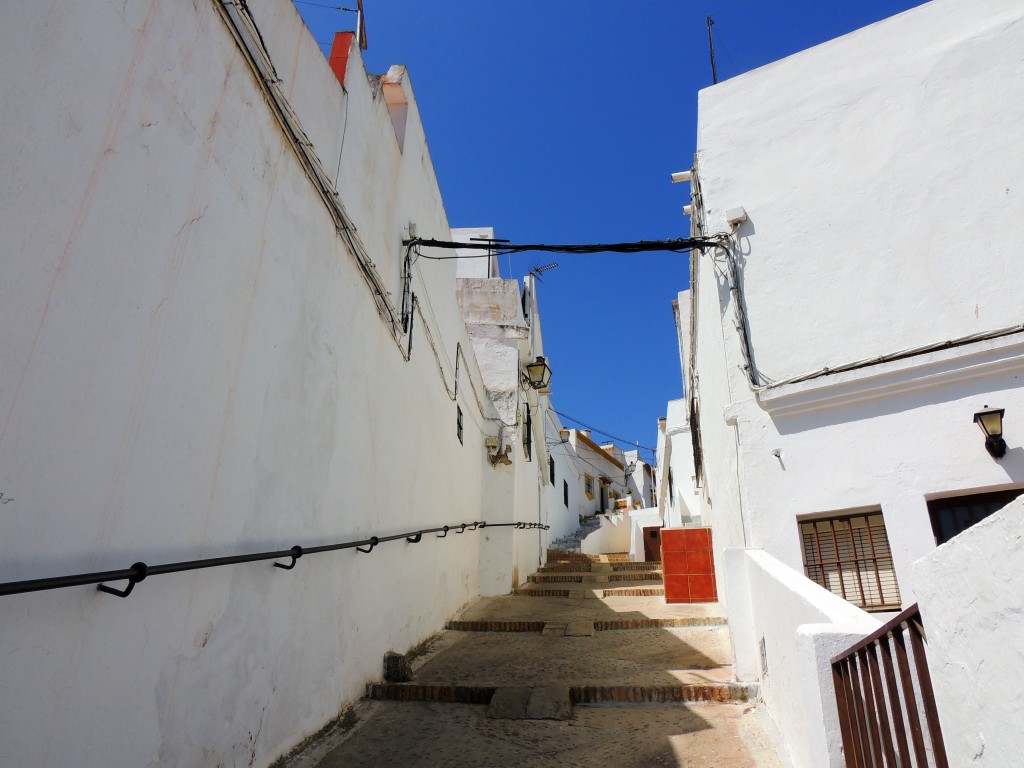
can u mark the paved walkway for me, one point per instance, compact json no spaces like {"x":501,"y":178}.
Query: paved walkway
{"x":561,"y":681}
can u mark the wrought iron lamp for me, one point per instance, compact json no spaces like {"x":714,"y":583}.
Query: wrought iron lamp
{"x":538,"y":373}
{"x":991,"y":423}
{"x":563,"y":435}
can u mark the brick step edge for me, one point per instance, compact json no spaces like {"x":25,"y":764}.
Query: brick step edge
{"x":496,"y":626}
{"x":641,"y":566}
{"x":581,"y":578}
{"x":609,"y":625}
{"x":660,"y":694}
{"x":578,"y":694}
{"x":690,"y":621}
{"x":542,"y":592}
{"x":633,"y":592}
{"x":564,"y":567}
{"x":448,"y":694}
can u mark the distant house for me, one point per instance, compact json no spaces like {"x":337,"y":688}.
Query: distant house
{"x":604,"y":473}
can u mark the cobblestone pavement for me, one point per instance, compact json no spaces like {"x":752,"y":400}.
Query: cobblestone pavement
{"x":604,"y":645}
{"x":418,"y":735}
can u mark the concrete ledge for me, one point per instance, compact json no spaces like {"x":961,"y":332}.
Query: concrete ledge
{"x":509,"y":703}
{"x":549,"y":703}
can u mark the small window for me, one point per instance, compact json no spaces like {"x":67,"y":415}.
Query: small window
{"x":588,"y":486}
{"x":565,"y":493}
{"x":551,"y":469}
{"x":956,"y":515}
{"x":528,"y":435}
{"x":849,"y":556}
{"x":458,"y":422}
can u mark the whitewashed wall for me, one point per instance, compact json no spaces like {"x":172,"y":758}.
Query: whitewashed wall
{"x":971,"y":594}
{"x":194,"y":367}
{"x":594,"y":461}
{"x":884,"y":212}
{"x":612,"y":536}
{"x":680,"y":500}
{"x":802,"y":626}
{"x":563,"y":518}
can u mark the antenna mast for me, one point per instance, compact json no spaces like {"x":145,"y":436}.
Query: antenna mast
{"x":711,"y":48}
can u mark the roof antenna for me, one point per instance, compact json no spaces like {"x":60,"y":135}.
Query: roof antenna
{"x":711,"y":47}
{"x":536,"y":271}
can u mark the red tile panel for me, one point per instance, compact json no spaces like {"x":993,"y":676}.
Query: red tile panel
{"x":688,"y":565}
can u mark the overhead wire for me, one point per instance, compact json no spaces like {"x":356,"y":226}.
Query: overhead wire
{"x":630,"y":443}
{"x":500,"y":247}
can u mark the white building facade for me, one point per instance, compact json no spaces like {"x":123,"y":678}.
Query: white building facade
{"x":216,"y":343}
{"x":864,"y":308}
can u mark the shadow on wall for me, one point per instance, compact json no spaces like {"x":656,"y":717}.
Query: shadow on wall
{"x":979,"y":389}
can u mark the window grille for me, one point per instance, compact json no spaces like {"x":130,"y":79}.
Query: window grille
{"x":528,"y":435}
{"x":565,"y":493}
{"x":551,"y":469}
{"x":849,"y":556}
{"x":458,"y":422}
{"x":956,"y":515}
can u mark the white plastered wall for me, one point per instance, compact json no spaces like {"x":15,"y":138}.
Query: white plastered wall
{"x":194,"y":367}
{"x":970,"y":592}
{"x":802,"y":627}
{"x":848,"y":175}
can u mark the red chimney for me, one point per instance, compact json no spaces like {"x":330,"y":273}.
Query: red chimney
{"x":339,"y":54}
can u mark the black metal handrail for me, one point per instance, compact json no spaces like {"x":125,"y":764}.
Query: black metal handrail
{"x":140,"y":571}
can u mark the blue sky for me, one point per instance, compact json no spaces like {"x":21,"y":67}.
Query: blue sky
{"x":560,"y":122}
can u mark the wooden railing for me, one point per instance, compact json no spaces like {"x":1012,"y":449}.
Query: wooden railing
{"x":886,"y":706}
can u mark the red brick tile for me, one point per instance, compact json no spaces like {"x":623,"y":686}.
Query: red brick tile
{"x":672,"y":540}
{"x":699,"y":562}
{"x":677,"y":588}
{"x":674,"y":562}
{"x":702,"y":588}
{"x":699,"y":538}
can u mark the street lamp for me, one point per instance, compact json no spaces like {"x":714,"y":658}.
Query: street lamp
{"x":538,"y":373}
{"x":991,"y":423}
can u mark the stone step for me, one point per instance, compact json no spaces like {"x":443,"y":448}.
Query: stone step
{"x":601,"y":625}
{"x":578,"y":694}
{"x":593,"y":578}
{"x":585,"y":591}
{"x":587,"y":567}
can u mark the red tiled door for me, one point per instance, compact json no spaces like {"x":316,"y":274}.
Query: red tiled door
{"x":689,"y":565}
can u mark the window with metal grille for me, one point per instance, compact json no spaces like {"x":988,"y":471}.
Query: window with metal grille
{"x":955,"y":515}
{"x":551,"y":469}
{"x":458,"y":422}
{"x":849,"y":556}
{"x":565,"y":493}
{"x":528,"y":435}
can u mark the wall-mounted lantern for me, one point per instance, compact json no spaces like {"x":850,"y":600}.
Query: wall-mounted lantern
{"x":538,"y":373}
{"x":991,"y":423}
{"x":563,"y":435}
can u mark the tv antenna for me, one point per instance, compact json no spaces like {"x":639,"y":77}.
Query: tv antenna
{"x":537,"y":271}
{"x":711,"y":47}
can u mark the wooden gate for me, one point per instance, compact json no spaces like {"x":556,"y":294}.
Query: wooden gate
{"x":887,"y":711}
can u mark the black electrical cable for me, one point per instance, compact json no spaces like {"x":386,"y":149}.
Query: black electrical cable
{"x":502,"y":248}
{"x":602,"y":432}
{"x":328,"y":7}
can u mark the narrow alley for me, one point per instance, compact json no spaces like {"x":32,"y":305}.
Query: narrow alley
{"x":585,"y":665}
